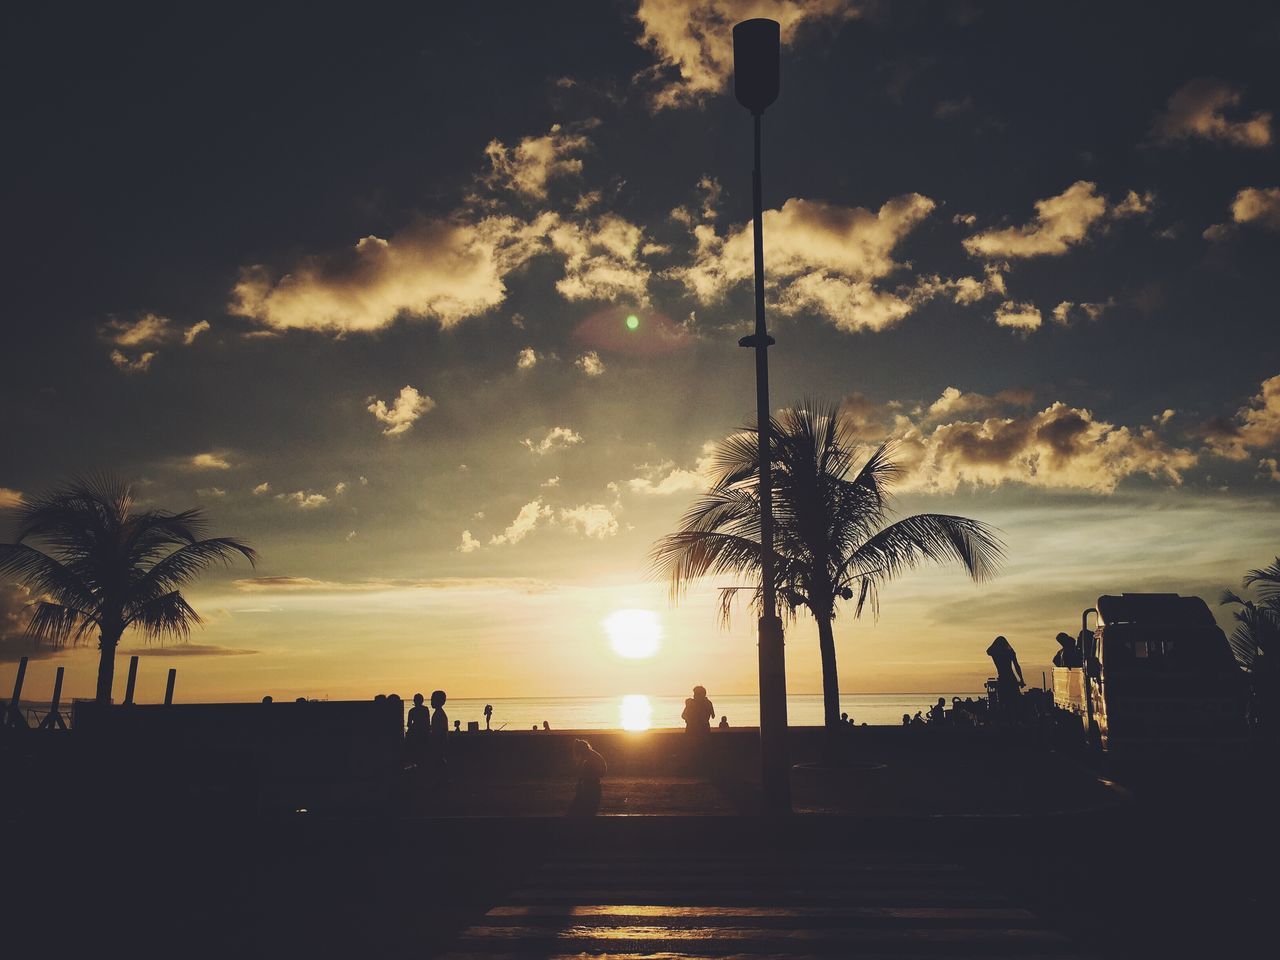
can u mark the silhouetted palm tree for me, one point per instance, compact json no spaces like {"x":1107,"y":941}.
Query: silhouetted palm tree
{"x":834,"y":537}
{"x":1254,"y":640}
{"x":95,"y":564}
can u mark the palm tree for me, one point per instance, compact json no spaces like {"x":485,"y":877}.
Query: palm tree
{"x":96,"y":564}
{"x":834,"y":540}
{"x":1254,"y":639}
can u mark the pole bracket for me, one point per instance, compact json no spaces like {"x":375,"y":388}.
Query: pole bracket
{"x":755,"y":341}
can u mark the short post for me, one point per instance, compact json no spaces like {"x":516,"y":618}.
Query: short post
{"x":53,"y":719}
{"x":168,"y":687}
{"x":133,"y":679}
{"x":13,"y":714}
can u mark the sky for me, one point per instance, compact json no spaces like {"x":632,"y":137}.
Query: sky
{"x":357,"y":284}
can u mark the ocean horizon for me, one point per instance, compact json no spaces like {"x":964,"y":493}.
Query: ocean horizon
{"x":638,"y":711}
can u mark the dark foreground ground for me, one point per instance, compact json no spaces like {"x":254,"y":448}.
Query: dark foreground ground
{"x":1178,"y":862}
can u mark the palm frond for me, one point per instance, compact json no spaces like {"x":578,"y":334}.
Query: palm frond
{"x":183,"y":565}
{"x":1266,"y":581}
{"x":57,"y":624}
{"x":43,"y":575}
{"x":168,"y":615}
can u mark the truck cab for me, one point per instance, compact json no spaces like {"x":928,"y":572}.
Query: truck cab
{"x":1157,"y":671}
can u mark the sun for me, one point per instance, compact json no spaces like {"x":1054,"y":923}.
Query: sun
{"x":633,"y":634}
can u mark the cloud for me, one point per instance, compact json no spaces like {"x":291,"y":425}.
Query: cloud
{"x":304,"y":500}
{"x":1065,"y":311}
{"x":1260,"y":205}
{"x":691,"y":40}
{"x":602,"y":259}
{"x":185,"y":650}
{"x":1018,"y":316}
{"x":10,"y":498}
{"x":527,"y":167}
{"x":1198,"y":110}
{"x":293,"y":585}
{"x":666,"y":478}
{"x":1061,"y":222}
{"x":405,"y":410}
{"x":527,"y":359}
{"x":130,"y":338}
{"x":1059,"y":447}
{"x":340,"y":488}
{"x":822,"y":257}
{"x":557,"y":438}
{"x":591,"y":519}
{"x":447,"y":270}
{"x":1255,"y":426}
{"x":1271,"y":467}
{"x":530,"y":515}
{"x":14,"y":614}
{"x":469,"y":544}
{"x":193,"y":331}
{"x":211,"y":493}
{"x":590,"y":364}
{"x":210,"y":461}
{"x":132,"y":363}
{"x":261,"y":488}
{"x":550,"y":483}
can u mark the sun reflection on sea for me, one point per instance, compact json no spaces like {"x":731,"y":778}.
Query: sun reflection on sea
{"x":636,"y":712}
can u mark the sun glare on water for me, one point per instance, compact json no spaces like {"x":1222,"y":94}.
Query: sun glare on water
{"x":633,"y":633}
{"x":635,"y":712}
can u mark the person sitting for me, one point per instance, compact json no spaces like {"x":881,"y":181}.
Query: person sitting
{"x":938,"y":712}
{"x":724,"y":723}
{"x":698,"y":711}
{"x":591,"y":768}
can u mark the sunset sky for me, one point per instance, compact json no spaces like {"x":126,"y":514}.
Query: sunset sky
{"x":357,"y":282}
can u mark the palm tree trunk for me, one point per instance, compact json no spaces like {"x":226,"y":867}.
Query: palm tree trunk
{"x":106,"y":665}
{"x":830,"y":679}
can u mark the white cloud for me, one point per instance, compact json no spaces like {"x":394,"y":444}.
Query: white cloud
{"x":469,"y":544}
{"x":10,"y":498}
{"x":447,"y":270}
{"x":1019,"y":316}
{"x":262,"y":488}
{"x":1271,"y":468}
{"x":822,"y":258}
{"x":602,"y":259}
{"x":530,"y":515}
{"x":527,"y":167}
{"x":1260,"y":205}
{"x":1061,"y":222}
{"x":590,"y":364}
{"x":591,"y":519}
{"x":527,"y":359}
{"x":1198,"y":110}
{"x":557,"y":438}
{"x":303,"y":500}
{"x":550,"y":482}
{"x":1060,"y":447}
{"x":1255,"y":426}
{"x":340,"y":488}
{"x":691,"y":39}
{"x":404,"y":411}
{"x":211,"y":493}
{"x":210,"y":461}
{"x":130,"y":338}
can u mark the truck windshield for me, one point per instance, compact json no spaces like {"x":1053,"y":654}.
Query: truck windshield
{"x":1150,"y":651}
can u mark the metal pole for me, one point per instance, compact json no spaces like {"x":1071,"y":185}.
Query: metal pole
{"x":168,"y":688}
{"x":133,"y":679}
{"x":775,"y":773}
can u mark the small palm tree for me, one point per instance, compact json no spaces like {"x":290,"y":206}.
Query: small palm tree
{"x":95,"y":564}
{"x":834,"y":540}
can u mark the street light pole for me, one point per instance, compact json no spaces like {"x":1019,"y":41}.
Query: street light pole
{"x":756,"y":55}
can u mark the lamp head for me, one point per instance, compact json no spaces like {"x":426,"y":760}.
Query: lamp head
{"x":756,"y":60}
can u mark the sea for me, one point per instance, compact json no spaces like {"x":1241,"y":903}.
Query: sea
{"x":638,"y":711}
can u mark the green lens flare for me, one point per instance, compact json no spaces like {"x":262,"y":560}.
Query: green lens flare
{"x":633,"y":322}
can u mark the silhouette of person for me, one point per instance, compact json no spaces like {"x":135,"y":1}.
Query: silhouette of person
{"x":698,"y":711}
{"x":545,"y":725}
{"x":1069,"y":655}
{"x":439,"y":729}
{"x":267,"y":698}
{"x":591,"y":767}
{"x":488,"y":715}
{"x":906,"y":719}
{"x":419,"y":728}
{"x":938,"y":712}
{"x":457,"y":726}
{"x":1008,"y":672}
{"x":724,"y":723}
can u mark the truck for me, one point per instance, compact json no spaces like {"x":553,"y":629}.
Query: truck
{"x":1155,"y":671}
